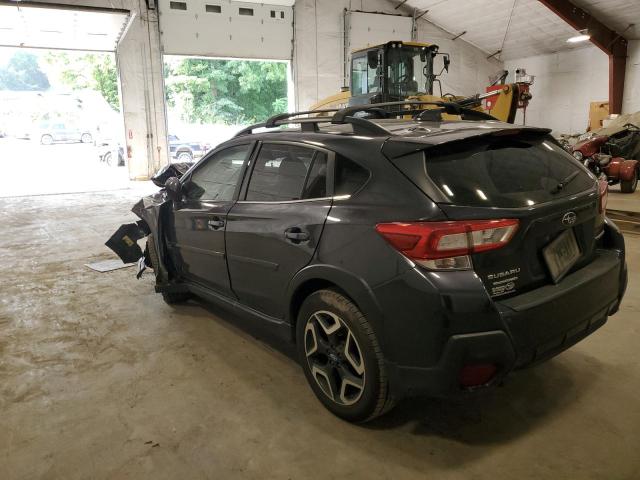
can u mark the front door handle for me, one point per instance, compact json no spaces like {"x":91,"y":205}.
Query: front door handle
{"x":215,"y":224}
{"x":296,"y":234}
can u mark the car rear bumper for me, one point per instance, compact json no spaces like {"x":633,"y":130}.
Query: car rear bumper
{"x":536,"y":326}
{"x":547,"y":320}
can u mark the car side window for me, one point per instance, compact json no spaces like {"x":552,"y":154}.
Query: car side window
{"x":217,"y":178}
{"x":288,"y":172}
{"x":349,"y":176}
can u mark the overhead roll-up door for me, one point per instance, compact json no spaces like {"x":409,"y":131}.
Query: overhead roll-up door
{"x":41,"y":25}
{"x":226,"y":28}
{"x":367,"y":29}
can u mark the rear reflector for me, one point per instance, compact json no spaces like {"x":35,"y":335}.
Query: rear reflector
{"x":477,"y":375}
{"x":447,"y":244}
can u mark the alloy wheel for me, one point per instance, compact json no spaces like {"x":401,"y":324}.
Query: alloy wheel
{"x":185,"y":157}
{"x":334,"y":357}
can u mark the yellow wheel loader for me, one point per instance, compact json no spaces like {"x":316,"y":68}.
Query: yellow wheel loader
{"x":396,"y":71}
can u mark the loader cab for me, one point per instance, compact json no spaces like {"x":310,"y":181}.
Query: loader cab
{"x":392,"y":72}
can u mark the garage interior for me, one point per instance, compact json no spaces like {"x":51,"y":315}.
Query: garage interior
{"x":102,"y":379}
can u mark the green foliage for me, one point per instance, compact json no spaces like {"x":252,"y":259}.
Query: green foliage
{"x":93,"y":71}
{"x":105,"y":77}
{"x":22,"y":72}
{"x":226,"y":91}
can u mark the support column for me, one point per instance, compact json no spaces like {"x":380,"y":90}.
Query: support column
{"x":140,"y":70}
{"x":604,"y":38}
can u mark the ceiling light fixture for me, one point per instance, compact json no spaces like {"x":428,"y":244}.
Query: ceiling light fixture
{"x":583,"y":36}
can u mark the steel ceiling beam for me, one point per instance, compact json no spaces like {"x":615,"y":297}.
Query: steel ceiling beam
{"x":607,"y":40}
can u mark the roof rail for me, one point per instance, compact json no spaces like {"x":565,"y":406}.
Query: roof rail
{"x":362,"y":125}
{"x":349,"y":111}
{"x":451,"y":108}
{"x":271,"y":121}
{"x":249,"y":130}
{"x":310,"y":124}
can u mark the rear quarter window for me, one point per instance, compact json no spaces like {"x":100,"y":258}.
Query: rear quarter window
{"x":349,"y":177}
{"x":508,"y":172}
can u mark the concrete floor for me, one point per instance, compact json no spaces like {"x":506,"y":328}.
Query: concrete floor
{"x":100,"y":379}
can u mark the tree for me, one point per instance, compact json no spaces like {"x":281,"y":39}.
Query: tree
{"x":105,"y":78}
{"x":22,"y":72}
{"x":226,"y":91}
{"x":93,"y":71}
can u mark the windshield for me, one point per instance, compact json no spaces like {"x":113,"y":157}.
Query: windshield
{"x":407,"y":74}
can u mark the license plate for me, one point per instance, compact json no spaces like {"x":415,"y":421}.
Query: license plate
{"x":561,"y":254}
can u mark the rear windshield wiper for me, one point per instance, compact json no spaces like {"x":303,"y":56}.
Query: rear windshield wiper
{"x":565,"y":181}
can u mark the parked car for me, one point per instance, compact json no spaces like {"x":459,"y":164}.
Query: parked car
{"x":613,"y":155}
{"x":402,"y":257}
{"x":107,"y":154}
{"x":186,"y":151}
{"x":54,"y":132}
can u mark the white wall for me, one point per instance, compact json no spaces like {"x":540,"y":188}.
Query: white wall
{"x":631,"y":100}
{"x":566,"y":82}
{"x":318,"y":50}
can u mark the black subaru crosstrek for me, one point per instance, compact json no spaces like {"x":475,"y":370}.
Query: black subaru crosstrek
{"x":403,"y":257}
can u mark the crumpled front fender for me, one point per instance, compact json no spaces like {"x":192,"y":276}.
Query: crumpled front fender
{"x":151,"y":210}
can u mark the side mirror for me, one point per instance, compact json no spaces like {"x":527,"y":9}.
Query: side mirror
{"x":447,"y":62}
{"x":173,"y":188}
{"x":372,"y":59}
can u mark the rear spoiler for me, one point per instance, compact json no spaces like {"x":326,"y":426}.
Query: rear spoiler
{"x":398,"y":146}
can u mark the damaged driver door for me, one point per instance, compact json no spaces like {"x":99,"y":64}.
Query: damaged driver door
{"x":199,"y":219}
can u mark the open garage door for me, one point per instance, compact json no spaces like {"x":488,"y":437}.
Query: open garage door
{"x":40,"y":25}
{"x":227,"y":64}
{"x":224,"y":28}
{"x":61,"y":130}
{"x":367,"y":29}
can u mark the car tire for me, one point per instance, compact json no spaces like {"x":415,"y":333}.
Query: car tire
{"x":169,"y":297}
{"x":46,"y":139}
{"x":106,"y":158}
{"x":86,"y":138}
{"x":341,"y":357}
{"x":184,"y":157}
{"x":629,"y":186}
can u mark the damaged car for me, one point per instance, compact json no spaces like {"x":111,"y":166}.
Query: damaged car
{"x":401,"y":256}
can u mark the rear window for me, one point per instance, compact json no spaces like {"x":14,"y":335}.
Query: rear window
{"x":505,"y":172}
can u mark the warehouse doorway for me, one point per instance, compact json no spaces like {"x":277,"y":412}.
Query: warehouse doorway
{"x":210,"y":99}
{"x":61,"y":130}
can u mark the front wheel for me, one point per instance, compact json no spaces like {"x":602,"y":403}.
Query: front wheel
{"x":629,"y":186}
{"x":341,"y":357}
{"x":185,"y":157}
{"x":169,"y":297}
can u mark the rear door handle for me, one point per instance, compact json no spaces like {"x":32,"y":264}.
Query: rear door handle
{"x":296,"y":234}
{"x":215,"y":224}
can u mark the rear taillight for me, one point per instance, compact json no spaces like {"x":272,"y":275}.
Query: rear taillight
{"x":447,"y":245}
{"x":603,"y":195}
